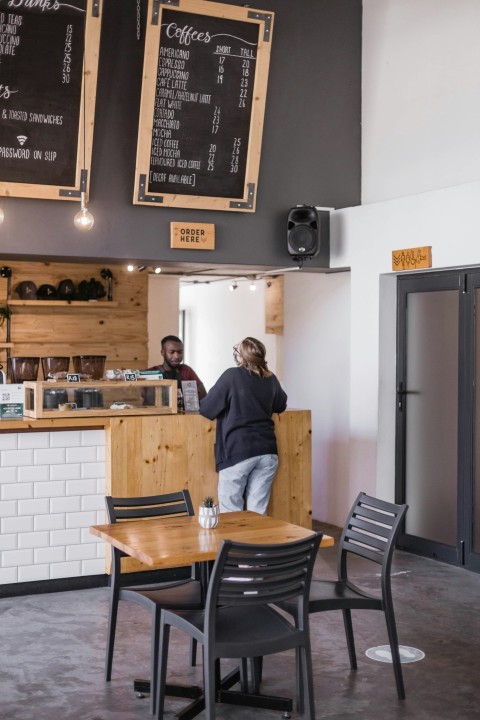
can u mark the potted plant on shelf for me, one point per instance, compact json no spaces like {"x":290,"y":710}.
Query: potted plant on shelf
{"x":208,"y":513}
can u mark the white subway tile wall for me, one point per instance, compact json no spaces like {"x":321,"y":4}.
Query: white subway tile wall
{"x":52,"y":488}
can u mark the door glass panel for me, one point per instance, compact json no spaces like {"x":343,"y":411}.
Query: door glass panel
{"x":432,"y":408}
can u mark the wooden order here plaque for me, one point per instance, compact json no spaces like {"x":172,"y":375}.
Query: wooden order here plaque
{"x":203,"y":104}
{"x":48,"y":76}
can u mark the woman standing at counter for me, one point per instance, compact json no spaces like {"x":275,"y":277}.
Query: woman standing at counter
{"x":243,"y":401}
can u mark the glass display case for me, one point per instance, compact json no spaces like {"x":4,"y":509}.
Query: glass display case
{"x":49,"y":399}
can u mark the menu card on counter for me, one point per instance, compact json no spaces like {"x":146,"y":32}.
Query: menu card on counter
{"x":203,"y":101}
{"x":42,"y":91}
{"x":11,"y":401}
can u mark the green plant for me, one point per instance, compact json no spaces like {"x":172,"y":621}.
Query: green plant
{"x":5,"y":313}
{"x":208,"y":502}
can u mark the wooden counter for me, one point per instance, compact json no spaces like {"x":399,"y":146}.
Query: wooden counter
{"x":151,"y":454}
{"x":147,"y":455}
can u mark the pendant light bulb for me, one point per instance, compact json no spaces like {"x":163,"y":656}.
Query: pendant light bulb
{"x":84,"y":219}
{"x":2,"y":216}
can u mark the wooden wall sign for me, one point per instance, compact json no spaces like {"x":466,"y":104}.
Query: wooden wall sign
{"x":203,"y":104}
{"x":43,"y":86}
{"x":412,"y":258}
{"x":192,"y":236}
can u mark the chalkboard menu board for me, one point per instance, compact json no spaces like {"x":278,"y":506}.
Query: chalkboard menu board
{"x":43,"y":47}
{"x":203,"y":102}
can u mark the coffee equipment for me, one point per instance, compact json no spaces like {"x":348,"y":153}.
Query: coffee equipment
{"x":23,"y":368}
{"x":91,"y":365}
{"x":53,"y":365}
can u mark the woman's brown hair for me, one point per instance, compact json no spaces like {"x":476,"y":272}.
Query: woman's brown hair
{"x":252,"y":353}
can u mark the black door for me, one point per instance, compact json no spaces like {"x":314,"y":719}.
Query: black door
{"x":437,"y":415}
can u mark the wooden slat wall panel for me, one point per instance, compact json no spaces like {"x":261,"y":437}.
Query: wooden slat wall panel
{"x":274,"y":303}
{"x":151,"y":455}
{"x":120,"y":332}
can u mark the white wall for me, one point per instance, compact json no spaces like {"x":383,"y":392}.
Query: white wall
{"x":217,"y":319}
{"x":317,"y":376}
{"x":420,"y":96}
{"x":163,"y":311}
{"x":421,"y":171}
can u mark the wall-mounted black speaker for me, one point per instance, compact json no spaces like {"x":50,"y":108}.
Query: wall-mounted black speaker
{"x":308,"y":233}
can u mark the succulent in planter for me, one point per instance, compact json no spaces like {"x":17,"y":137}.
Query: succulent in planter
{"x":5,"y":313}
{"x":208,"y":513}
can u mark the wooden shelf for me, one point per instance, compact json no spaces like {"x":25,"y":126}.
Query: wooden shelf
{"x":6,"y":345}
{"x":64,"y":303}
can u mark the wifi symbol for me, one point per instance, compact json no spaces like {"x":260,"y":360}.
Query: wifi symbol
{"x":22,"y":139}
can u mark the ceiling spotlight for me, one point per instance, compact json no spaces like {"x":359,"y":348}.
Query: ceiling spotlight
{"x":157,"y":270}
{"x":130,"y":268}
{"x":233,"y":286}
{"x":141,"y":268}
{"x":252,"y":286}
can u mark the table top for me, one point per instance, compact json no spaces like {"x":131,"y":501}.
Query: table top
{"x":174,"y":542}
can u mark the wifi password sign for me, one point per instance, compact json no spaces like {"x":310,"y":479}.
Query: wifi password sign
{"x":22,"y":139}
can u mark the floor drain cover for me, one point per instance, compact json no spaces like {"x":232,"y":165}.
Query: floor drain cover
{"x":382,"y":653}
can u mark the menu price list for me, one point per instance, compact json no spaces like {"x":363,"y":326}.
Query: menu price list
{"x":41,"y":69}
{"x":203,"y":101}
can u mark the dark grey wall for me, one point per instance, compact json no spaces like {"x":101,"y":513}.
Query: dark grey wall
{"x":310,"y":149}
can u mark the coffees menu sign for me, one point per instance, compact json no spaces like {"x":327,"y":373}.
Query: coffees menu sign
{"x":203,"y":101}
{"x":47,"y":49}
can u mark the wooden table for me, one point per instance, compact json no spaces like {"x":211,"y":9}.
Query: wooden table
{"x":176,"y":542}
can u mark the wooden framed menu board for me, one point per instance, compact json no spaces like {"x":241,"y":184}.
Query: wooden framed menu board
{"x":203,"y":103}
{"x":48,"y":77}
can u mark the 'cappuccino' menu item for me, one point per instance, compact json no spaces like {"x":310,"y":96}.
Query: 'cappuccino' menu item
{"x":42,"y":45}
{"x":202,"y":110}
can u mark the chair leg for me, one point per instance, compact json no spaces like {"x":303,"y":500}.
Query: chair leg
{"x":300,"y":684}
{"x":210,"y":671}
{"x":256,"y":668}
{"x":244,"y":675}
{"x":193,"y":652}
{"x":307,"y":673}
{"x":347,"y":621}
{"x":163,"y":641}
{"x":156,"y":616}
{"x":112,"y":626}
{"x":393,"y":638}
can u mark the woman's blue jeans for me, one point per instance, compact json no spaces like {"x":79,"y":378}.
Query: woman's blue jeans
{"x":253,"y":478}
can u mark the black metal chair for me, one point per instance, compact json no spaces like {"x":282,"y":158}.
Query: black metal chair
{"x":239,"y":620}
{"x":369,"y":532}
{"x":184,"y":594}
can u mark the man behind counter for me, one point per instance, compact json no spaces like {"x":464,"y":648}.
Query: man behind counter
{"x":173,"y":367}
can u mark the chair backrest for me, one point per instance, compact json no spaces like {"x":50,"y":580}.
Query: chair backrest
{"x":254,"y":574}
{"x":122,"y":508}
{"x":370,"y":531}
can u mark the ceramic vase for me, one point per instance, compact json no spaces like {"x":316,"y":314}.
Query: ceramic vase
{"x":208,"y":517}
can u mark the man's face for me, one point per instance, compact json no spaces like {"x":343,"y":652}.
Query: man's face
{"x":173,"y":354}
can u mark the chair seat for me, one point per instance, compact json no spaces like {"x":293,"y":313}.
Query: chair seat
{"x":324,"y":592}
{"x":187,"y":594}
{"x":264,"y":631}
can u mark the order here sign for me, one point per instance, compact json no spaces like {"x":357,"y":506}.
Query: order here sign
{"x":192,"y":236}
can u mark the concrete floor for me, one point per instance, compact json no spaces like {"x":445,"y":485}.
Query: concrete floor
{"x":52,"y":654}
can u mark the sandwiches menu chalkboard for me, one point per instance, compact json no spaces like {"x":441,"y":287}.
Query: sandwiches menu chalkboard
{"x":43,"y":63}
{"x":203,"y":99}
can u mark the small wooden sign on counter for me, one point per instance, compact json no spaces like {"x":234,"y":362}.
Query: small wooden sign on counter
{"x":412,"y":258}
{"x":192,"y":236}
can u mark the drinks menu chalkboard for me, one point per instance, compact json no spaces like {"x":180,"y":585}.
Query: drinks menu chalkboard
{"x":42,"y":48}
{"x":205,"y":75}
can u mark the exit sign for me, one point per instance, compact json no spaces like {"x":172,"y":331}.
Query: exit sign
{"x":192,"y":236}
